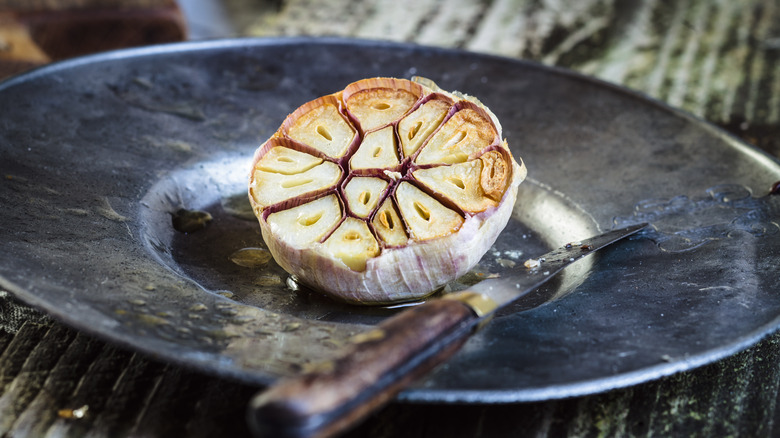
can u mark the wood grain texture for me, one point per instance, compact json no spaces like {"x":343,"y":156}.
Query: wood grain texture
{"x":717,"y":59}
{"x":47,"y":370}
{"x":129,"y":395}
{"x":335,"y":395}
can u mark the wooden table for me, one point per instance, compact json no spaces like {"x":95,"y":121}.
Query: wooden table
{"x":719,"y":60}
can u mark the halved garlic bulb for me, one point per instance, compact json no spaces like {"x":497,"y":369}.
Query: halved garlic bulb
{"x":385,"y":191}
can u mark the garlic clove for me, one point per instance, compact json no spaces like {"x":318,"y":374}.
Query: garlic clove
{"x":305,"y":224}
{"x":270,"y":188}
{"x":460,"y":183}
{"x":466,"y":133}
{"x":377,"y":151}
{"x":388,"y":225}
{"x":363,"y":193}
{"x":415,"y":128}
{"x":286,"y":161}
{"x":426,"y":217}
{"x":321,"y":125}
{"x":494,"y":175}
{"x":379,"y":101}
{"x":352,"y":243}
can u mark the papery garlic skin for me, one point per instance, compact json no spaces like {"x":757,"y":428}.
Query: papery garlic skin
{"x":385,"y":252}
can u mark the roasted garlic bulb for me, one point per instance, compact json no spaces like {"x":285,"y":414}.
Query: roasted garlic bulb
{"x":385,"y":191}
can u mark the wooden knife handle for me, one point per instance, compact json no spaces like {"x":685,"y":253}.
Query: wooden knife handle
{"x":380,"y":363}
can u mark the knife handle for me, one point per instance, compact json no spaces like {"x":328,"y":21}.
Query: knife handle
{"x":380,"y":363}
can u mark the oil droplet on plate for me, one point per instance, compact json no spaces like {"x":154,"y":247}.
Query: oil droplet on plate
{"x":225,"y":293}
{"x":291,"y":327}
{"x":506,"y":263}
{"x":251,"y":257}
{"x":268,"y":280}
{"x":189,"y":221}
{"x":229,"y":311}
{"x":242,"y":319}
{"x":238,"y":205}
{"x":153,"y":320}
{"x":199,"y":307}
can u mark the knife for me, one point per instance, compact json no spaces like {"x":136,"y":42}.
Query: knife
{"x":335,"y":395}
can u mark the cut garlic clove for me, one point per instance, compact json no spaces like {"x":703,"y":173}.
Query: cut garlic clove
{"x":494,"y":174}
{"x":388,"y":225}
{"x":286,"y":161}
{"x":269,"y":188}
{"x":379,"y":101}
{"x":321,"y":125}
{"x":363,"y":194}
{"x":415,"y":128}
{"x":377,"y":151}
{"x":306,"y":224}
{"x":464,"y":134}
{"x":426,"y":217}
{"x":352,"y":243}
{"x":459,"y":183}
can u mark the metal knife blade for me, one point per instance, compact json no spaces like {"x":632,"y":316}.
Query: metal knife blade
{"x":521,"y":281}
{"x":381,"y":362}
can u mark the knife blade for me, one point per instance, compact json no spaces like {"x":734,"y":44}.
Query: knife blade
{"x":334,"y":395}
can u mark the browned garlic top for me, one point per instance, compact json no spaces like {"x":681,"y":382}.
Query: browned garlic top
{"x":382,"y":165}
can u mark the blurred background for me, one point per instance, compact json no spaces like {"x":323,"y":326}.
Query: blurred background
{"x":718,"y":59}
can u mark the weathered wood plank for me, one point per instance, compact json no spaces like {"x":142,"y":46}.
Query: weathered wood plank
{"x":129,"y":398}
{"x":17,"y":352}
{"x":717,"y":59}
{"x":95,"y":388}
{"x":220,"y":409}
{"x":202,"y":406}
{"x":727,"y":398}
{"x":450,"y":26}
{"x":55,"y":393}
{"x":25,"y":386}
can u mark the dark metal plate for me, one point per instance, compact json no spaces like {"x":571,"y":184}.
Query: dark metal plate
{"x":98,"y":154}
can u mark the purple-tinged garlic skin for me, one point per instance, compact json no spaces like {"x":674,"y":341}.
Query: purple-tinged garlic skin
{"x":349,"y":217}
